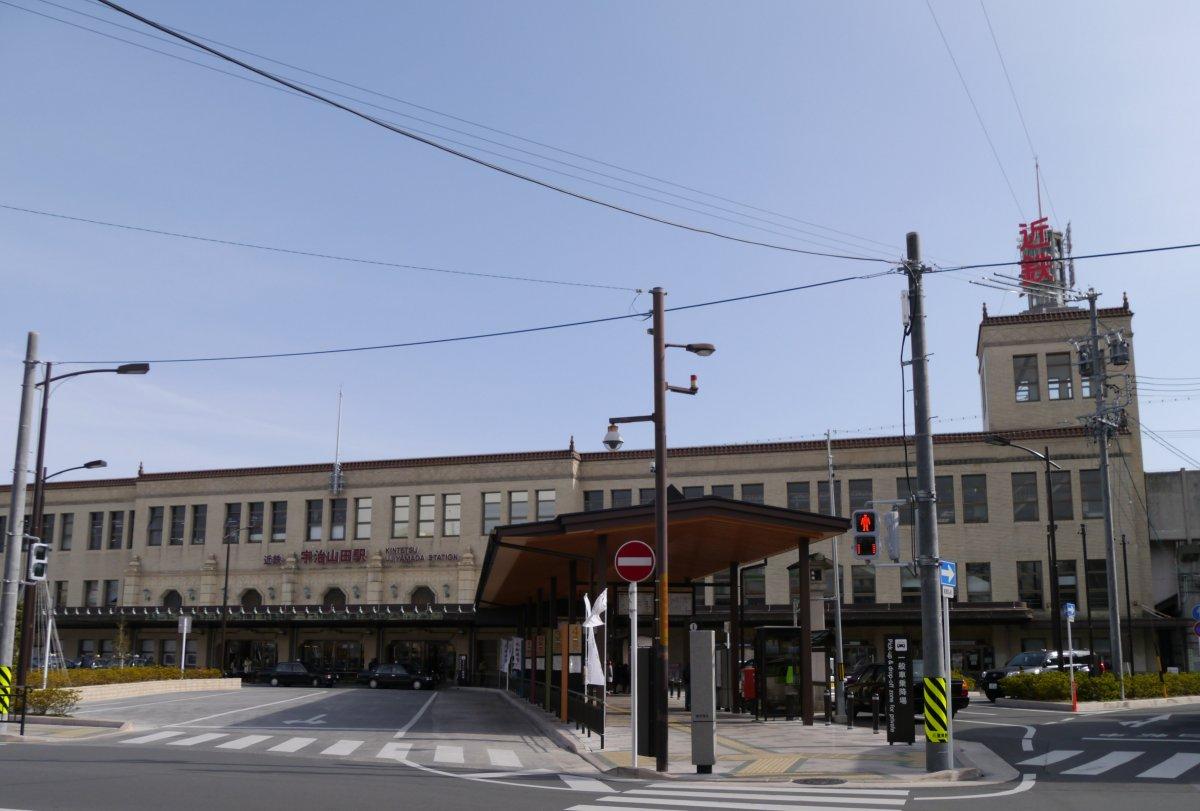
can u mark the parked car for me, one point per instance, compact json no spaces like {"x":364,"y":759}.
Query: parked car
{"x":286,"y":674}
{"x":1036,"y":661}
{"x":871,"y":679}
{"x":395,"y":675}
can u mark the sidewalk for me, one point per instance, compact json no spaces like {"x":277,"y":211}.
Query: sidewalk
{"x":766,"y":749}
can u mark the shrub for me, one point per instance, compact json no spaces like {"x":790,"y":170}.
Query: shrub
{"x":958,"y":674}
{"x":1055,"y":686}
{"x":84,"y":677}
{"x":52,"y":701}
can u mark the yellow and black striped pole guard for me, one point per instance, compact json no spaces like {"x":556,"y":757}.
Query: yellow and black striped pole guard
{"x":936,"y":711}
{"x":6,"y":690}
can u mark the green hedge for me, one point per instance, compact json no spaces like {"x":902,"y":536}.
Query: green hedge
{"x":84,"y":677}
{"x":53,"y":701}
{"x":1055,"y":686}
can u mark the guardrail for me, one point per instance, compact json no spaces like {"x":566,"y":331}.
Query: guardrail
{"x":584,"y":710}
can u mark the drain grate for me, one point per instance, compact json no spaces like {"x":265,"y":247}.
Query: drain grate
{"x":819,"y":781}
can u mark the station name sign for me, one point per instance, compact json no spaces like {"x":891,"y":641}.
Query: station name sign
{"x":404,"y":555}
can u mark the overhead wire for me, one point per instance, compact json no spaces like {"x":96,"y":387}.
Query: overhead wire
{"x":1103,"y":255}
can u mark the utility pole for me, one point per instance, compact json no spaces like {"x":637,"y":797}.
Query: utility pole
{"x":938,"y":756}
{"x":1052,"y":551}
{"x":839,"y":666}
{"x":1128,"y":605}
{"x":1087,"y":590}
{"x":15,"y":532}
{"x":662,"y":651}
{"x":1099,"y":383}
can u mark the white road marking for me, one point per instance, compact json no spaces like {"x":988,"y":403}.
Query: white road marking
{"x":776,"y":789}
{"x":448,"y":754}
{"x":693,"y":800}
{"x":1123,"y":739}
{"x":157,"y":736}
{"x":412,"y":721}
{"x":718,"y":793}
{"x":242,"y":743}
{"x":504,"y":757}
{"x":1102,"y":764}
{"x":1026,"y":742}
{"x":342,"y":748}
{"x":291,"y":745}
{"x":1027,"y":782}
{"x":91,"y":707}
{"x":1173,"y":766}
{"x":584,"y":784}
{"x":1050,"y":758}
{"x":195,"y":739}
{"x":1144,"y":721}
{"x":394,"y":751}
{"x":247,"y":709}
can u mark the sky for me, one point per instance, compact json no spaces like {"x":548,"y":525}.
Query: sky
{"x":818,"y":116}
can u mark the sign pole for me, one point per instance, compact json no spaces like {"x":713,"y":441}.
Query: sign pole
{"x":949,"y":679}
{"x":1071,"y":662}
{"x":633,"y":674}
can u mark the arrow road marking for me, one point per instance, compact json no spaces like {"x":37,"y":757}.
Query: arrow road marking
{"x":316,"y":719}
{"x":1142,"y":723}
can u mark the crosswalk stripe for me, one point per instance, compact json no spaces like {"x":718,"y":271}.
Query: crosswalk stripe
{"x":448,"y":754}
{"x":721,"y":794}
{"x":157,"y":736}
{"x":292,"y":745}
{"x":1173,"y":766}
{"x":584,"y":783}
{"x":504,"y":757}
{"x":343,"y":747}
{"x":759,"y":789}
{"x":394,"y":751}
{"x":242,"y":743}
{"x":1103,"y":764}
{"x":195,"y":739}
{"x":1050,"y":758}
{"x":694,"y":801}
{"x":586,"y":807}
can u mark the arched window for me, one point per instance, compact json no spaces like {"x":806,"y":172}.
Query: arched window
{"x":423,"y":596}
{"x":171,"y":599}
{"x":251,"y":599}
{"x":334,"y":598}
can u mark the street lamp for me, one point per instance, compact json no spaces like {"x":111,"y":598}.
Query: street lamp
{"x":1051,"y":540}
{"x":613,"y":441}
{"x":92,"y":465}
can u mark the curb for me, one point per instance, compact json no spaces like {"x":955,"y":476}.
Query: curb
{"x":69,"y":721}
{"x":1097,"y":706}
{"x":562,"y":738}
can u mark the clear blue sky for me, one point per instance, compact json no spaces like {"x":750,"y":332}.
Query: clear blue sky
{"x":846,"y":115}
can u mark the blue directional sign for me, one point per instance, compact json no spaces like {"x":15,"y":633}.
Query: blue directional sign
{"x":1068,"y":610}
{"x":948,"y":570}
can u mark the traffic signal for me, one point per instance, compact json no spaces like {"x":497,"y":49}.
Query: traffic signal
{"x":39,"y":561}
{"x":889,"y":528}
{"x":866,"y":534}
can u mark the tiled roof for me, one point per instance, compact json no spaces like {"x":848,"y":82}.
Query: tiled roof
{"x":1066,"y":314}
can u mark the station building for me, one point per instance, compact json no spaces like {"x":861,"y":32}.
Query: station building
{"x":386,"y":568}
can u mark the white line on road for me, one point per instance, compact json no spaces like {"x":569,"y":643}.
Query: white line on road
{"x":504,"y":757}
{"x":247,"y":709}
{"x":242,"y":743}
{"x":1102,"y":764}
{"x":1173,"y":766}
{"x":448,"y":754}
{"x":584,"y":784}
{"x":412,"y":721}
{"x":342,"y":748}
{"x":195,"y":739}
{"x":1050,"y":758}
{"x":157,"y":736}
{"x":91,"y":708}
{"x":1026,"y":742}
{"x":291,"y":745}
{"x":713,"y":794}
{"x":1027,"y":782}
{"x":394,"y":751}
{"x":695,"y":800}
{"x":776,"y":789}
{"x":1142,"y":740}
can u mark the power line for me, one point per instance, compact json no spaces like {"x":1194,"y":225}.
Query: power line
{"x":488,"y":128}
{"x":974,"y":106}
{"x":315,"y":254}
{"x":1107,"y":254}
{"x":436,"y":144}
{"x":483,"y":335}
{"x":1136,"y":493}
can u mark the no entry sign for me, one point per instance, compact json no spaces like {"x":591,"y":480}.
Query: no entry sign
{"x":634,"y":561}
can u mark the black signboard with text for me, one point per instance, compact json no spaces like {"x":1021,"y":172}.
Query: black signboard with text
{"x":898,"y":672}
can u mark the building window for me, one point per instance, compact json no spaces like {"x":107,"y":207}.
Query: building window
{"x":423,"y":597}
{"x":278,"y":521}
{"x":979,"y":582}
{"x":752,"y":493}
{"x":400,"y":516}
{"x":129,"y":530}
{"x":592,"y":500}
{"x":154,"y":528}
{"x":87,"y":648}
{"x":66,"y":532}
{"x":178,"y":516}
{"x":720,"y":582}
{"x":621,"y":498}
{"x":1060,"y":492}
{"x":518,"y":506}
{"x":60,"y":593}
{"x":1085,"y":387}
{"x":170,"y":650}
{"x":148,"y":650}
{"x":425,"y":516}
{"x":362,"y":518}
{"x":945,"y":499}
{"x":908,"y":508}
{"x":798,"y":497}
{"x":233,"y":523}
{"x":1068,"y":582}
{"x":722,"y":490}
{"x":337,"y":519}
{"x":199,"y":523}
{"x":452,"y":515}
{"x":172,"y":600}
{"x":91,"y":593}
{"x":1025,"y":496}
{"x":111,"y":592}
{"x":47,"y":528}
{"x":693,"y":491}
{"x":251,"y":599}
{"x":255,"y":519}
{"x":910,"y":587}
{"x":754,"y":587}
{"x":189,"y":653}
{"x":1058,"y":375}
{"x":975,"y":504}
{"x":1025,"y":377}
{"x":491,"y":510}
{"x":1096,"y":574}
{"x":861,"y":494}
{"x":547,"y":504}
{"x":1092,"y":500}
{"x":862,"y":581}
{"x":314,"y":515}
{"x":823,"y":498}
{"x":645,"y":495}
{"x":1029,"y":582}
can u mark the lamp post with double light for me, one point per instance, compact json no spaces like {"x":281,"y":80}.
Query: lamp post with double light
{"x":613,"y":441}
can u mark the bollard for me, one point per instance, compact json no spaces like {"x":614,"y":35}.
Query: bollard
{"x":828,"y":707}
{"x":875,"y":713}
{"x":849,"y":712}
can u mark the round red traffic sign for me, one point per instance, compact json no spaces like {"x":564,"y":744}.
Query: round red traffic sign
{"x":634,"y":561}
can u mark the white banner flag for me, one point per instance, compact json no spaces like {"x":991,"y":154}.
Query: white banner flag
{"x":594,"y":669}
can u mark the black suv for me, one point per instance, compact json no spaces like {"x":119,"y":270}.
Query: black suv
{"x":1034,"y":661}
{"x":871,"y":679}
{"x":395,"y":675}
{"x":293,"y":673}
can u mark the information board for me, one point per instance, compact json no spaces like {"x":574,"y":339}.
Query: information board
{"x":901,"y":727}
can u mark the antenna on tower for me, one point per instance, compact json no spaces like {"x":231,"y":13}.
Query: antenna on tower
{"x":1070,"y":257}
{"x":336,"y":482}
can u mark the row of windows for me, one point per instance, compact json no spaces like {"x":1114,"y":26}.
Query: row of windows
{"x":157,"y":651}
{"x":1059,"y":378}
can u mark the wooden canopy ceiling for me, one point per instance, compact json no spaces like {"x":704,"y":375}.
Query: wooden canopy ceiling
{"x":705,"y":536}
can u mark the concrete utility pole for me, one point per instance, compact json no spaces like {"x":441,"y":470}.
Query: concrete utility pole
{"x":15,"y":533}
{"x":839,"y":666}
{"x":1099,"y":380}
{"x":938,"y":756}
